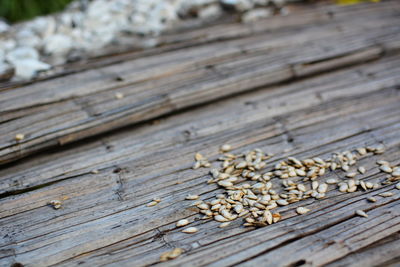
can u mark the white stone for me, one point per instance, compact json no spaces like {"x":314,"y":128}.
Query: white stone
{"x":22,"y":53}
{"x":256,"y":14}
{"x":3,"y":26}
{"x":28,"y":68}
{"x":57,"y":44}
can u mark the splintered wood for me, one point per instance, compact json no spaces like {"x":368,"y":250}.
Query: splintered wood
{"x":251,"y":191}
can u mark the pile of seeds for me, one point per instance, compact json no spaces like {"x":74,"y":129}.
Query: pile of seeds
{"x":251,"y":191}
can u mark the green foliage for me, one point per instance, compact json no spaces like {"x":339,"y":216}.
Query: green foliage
{"x":17,"y":10}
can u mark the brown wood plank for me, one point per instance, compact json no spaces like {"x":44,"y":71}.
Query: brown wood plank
{"x":160,"y":84}
{"x":105,"y":220}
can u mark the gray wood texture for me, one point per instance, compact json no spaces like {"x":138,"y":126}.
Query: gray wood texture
{"x":303,"y":90}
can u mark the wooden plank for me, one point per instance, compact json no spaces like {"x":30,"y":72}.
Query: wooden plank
{"x":161,"y":84}
{"x":104,"y":221}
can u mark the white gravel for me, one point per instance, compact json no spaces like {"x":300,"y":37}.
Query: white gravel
{"x":87,"y":26}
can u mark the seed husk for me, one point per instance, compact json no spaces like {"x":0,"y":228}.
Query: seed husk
{"x":225,"y":224}
{"x":226,"y":148}
{"x":190,"y":230}
{"x":385,"y":168}
{"x":371,"y":199}
{"x":361,"y":169}
{"x":19,"y":137}
{"x":152,"y":203}
{"x":331,"y":181}
{"x":282,"y":202}
{"x":170,"y":255}
{"x":386,"y":194}
{"x":56,"y":204}
{"x":351,"y":174}
{"x":119,"y":95}
{"x":182,"y":222}
{"x":192,"y":197}
{"x":361,"y":213}
{"x":302,"y":210}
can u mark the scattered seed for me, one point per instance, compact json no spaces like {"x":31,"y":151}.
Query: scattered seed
{"x":182,"y":222}
{"x":158,"y":200}
{"x":192,"y":197}
{"x":19,"y":137}
{"x":119,"y":95}
{"x":152,"y":203}
{"x":302,"y":210}
{"x":331,"y":181}
{"x":94,"y":171}
{"x":56,"y":204}
{"x":361,"y":169}
{"x":226,"y":148}
{"x":398,"y":186}
{"x":371,"y":199}
{"x":225,"y":224}
{"x":282,"y":202}
{"x":170,"y":255}
{"x":190,"y":230}
{"x":385,"y":168}
{"x":361,"y":213}
{"x":386,"y":194}
{"x":351,"y":174}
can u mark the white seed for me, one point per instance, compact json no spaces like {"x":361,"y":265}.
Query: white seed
{"x":361,"y":169}
{"x":351,"y":174}
{"x":396,"y":173}
{"x":225,"y":224}
{"x":361,"y":213}
{"x":369,"y":185}
{"x":267,"y":216}
{"x":343,"y":188}
{"x":301,"y":188}
{"x":196,"y":165}
{"x":19,"y":137}
{"x":190,"y":230}
{"x":170,"y":255}
{"x":386,"y":194}
{"x":371,"y":199}
{"x":331,"y":181}
{"x":192,"y":197}
{"x":182,"y":222}
{"x":158,"y":200}
{"x":352,"y":189}
{"x":226,"y":148}
{"x":225,"y":183}
{"x":55,"y":203}
{"x":322,"y":188}
{"x":362,"y":151}
{"x":398,"y":186}
{"x":314,"y":185}
{"x":152,"y":203}
{"x":302,"y":210}
{"x":383,"y":162}
{"x":119,"y":95}
{"x":94,"y":171}
{"x":203,"y":206}
{"x":220,"y":218}
{"x":241,"y":165}
{"x":385,"y":168}
{"x":282,"y":202}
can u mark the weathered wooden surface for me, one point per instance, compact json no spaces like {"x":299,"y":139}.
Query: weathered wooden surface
{"x":73,"y":107}
{"x":104,"y":220}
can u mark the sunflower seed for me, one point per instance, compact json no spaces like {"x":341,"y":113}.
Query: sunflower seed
{"x":190,"y":230}
{"x":170,"y":255}
{"x":182,"y":222}
{"x":19,"y":137}
{"x":302,"y":210}
{"x":225,"y":183}
{"x":192,"y":197}
{"x":351,"y":174}
{"x":361,"y":169}
{"x":398,"y":186}
{"x":225,"y":224}
{"x":56,"y":204}
{"x":282,"y":202}
{"x":371,"y":199}
{"x":152,"y":203}
{"x":119,"y":95}
{"x":385,"y":168}
{"x":361,"y":213}
{"x":386,"y":194}
{"x":331,"y":181}
{"x":225,"y":148}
